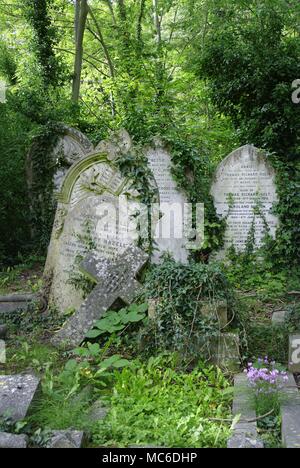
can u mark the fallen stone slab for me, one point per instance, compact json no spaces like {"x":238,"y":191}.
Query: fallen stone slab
{"x":13,"y":441}
{"x":245,"y":433}
{"x":15,"y":302}
{"x":16,"y":395}
{"x":66,"y":439}
{"x":290,"y":414}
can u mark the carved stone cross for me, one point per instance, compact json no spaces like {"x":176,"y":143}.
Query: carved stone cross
{"x":116,"y":279}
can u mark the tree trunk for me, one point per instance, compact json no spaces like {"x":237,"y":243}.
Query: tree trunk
{"x":82,"y":17}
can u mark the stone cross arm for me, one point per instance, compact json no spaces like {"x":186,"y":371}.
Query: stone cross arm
{"x":116,"y":279}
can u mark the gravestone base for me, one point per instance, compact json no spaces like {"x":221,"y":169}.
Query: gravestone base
{"x":224,"y":352}
{"x":218,"y":310}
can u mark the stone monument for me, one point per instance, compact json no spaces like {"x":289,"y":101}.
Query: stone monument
{"x":159,"y":160}
{"x":244,"y":192}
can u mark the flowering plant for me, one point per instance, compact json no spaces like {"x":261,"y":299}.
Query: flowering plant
{"x":267,"y":379}
{"x":264,"y":377}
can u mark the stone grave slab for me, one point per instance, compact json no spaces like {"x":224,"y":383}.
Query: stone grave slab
{"x":245,"y":433}
{"x":13,"y":441}
{"x":294,"y":354}
{"x":160,"y":163}
{"x":16,"y":395}
{"x":115,"y":280}
{"x":14,"y":302}
{"x":290,"y":414}
{"x":67,"y":439}
{"x":244,"y":190}
{"x":93,"y":214}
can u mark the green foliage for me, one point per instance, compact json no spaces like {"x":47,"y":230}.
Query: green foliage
{"x":179,"y":292}
{"x":250,"y":272}
{"x":264,"y":339}
{"x":113,"y":322}
{"x":45,"y":38}
{"x":156,"y":404}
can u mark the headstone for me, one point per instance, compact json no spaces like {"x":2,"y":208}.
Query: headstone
{"x":225,"y":351}
{"x":279,"y":318}
{"x":13,"y":441}
{"x":160,"y":163}
{"x":115,"y":280}
{"x":2,"y":352}
{"x":67,"y":439}
{"x":244,"y":190}
{"x":16,"y":395}
{"x":93,"y":213}
{"x":294,"y":354}
{"x":72,"y":145}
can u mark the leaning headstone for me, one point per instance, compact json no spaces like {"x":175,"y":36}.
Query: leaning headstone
{"x":115,"y":280}
{"x":16,"y":395}
{"x":172,"y":202}
{"x":71,"y":146}
{"x":13,"y":441}
{"x":67,"y":439}
{"x":93,"y":214}
{"x":244,"y":192}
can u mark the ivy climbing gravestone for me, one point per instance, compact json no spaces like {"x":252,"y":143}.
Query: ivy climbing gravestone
{"x":244,"y":193}
{"x":172,"y":200}
{"x":48,"y":160}
{"x":93,"y":214}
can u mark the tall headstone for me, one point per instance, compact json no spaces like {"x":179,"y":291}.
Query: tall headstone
{"x":160,"y":163}
{"x":244,"y":191}
{"x":93,"y":214}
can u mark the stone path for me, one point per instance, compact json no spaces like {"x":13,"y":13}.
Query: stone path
{"x":290,"y":413}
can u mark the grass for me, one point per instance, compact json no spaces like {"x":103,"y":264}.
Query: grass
{"x":158,"y":405}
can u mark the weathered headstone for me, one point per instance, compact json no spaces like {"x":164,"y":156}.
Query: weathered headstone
{"x":115,"y":280}
{"x":294,"y":354}
{"x":171,"y":200}
{"x":71,"y":146}
{"x":244,"y":190}
{"x":93,"y":213}
{"x":16,"y":395}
